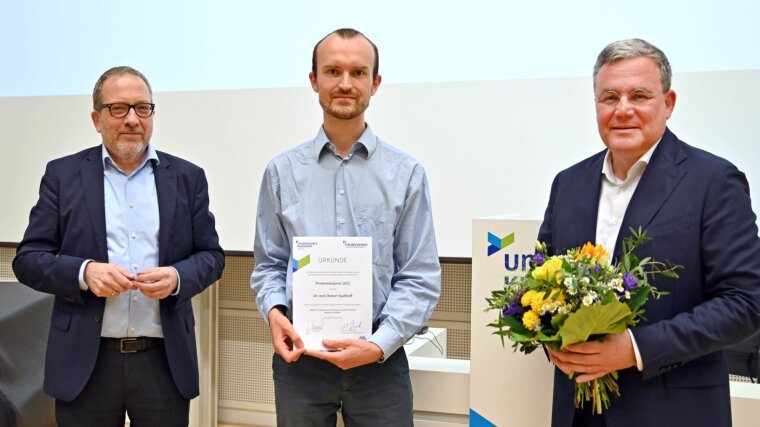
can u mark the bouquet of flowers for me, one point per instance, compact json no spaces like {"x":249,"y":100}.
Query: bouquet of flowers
{"x":578,"y":297}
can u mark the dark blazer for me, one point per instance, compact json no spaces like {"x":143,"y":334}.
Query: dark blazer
{"x":68,"y":226}
{"x":696,"y":208}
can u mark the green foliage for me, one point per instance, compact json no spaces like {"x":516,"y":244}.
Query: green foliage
{"x":598,"y":319}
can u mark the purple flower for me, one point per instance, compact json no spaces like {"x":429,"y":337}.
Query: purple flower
{"x":513,"y":309}
{"x":539,"y":259}
{"x":630,"y":282}
{"x":597,"y":267}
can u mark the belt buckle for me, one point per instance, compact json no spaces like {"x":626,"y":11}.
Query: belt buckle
{"x":126,"y":340}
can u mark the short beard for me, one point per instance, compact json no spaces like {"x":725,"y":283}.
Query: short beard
{"x":344,"y":113}
{"x":127,"y":152}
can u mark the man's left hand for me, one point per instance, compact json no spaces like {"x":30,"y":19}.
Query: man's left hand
{"x":594,"y":359}
{"x":157,"y":282}
{"x":349,"y":353}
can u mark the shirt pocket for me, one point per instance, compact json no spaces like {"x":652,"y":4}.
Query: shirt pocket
{"x":381,"y":231}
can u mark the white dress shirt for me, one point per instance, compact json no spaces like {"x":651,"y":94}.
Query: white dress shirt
{"x":614,"y":198}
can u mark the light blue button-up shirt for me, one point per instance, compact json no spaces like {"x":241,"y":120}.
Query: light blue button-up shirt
{"x":376,"y":191}
{"x":132,"y":224}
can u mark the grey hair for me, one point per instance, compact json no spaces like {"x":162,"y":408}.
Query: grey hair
{"x":632,"y":48}
{"x":115,"y":72}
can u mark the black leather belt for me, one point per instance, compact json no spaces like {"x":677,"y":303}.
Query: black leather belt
{"x":131,"y":345}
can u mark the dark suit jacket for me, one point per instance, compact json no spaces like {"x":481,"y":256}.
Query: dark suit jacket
{"x":696,"y":208}
{"x":67,"y":226}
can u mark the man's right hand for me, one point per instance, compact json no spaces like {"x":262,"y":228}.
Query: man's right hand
{"x":286,"y":341}
{"x":107,"y":280}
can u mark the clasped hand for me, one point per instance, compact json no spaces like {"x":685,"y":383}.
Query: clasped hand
{"x":594,"y":359}
{"x":108,"y":280}
{"x":345,"y":354}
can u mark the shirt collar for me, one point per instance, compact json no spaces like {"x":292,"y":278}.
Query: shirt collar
{"x":636,"y":169}
{"x":365,"y":146}
{"x":150,"y":155}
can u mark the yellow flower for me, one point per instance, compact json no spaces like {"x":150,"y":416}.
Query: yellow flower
{"x":535,"y":299}
{"x":560,"y":297}
{"x":531,"y":320}
{"x":530,"y":298}
{"x":598,"y":251}
{"x":552,"y":268}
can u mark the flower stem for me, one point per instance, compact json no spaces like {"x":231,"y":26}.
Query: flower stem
{"x":597,"y":392}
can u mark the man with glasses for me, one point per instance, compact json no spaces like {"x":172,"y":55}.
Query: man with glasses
{"x":696,"y":208}
{"x":123,"y":237}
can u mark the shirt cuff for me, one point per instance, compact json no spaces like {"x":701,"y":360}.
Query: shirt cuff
{"x":82,"y":284}
{"x":271,"y":302}
{"x":388,"y":341}
{"x":639,"y":362}
{"x":179,"y":282}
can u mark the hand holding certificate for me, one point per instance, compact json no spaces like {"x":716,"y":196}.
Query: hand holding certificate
{"x":332,"y":288}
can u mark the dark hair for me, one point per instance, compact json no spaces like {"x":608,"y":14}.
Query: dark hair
{"x":346,"y":33}
{"x":114,"y":72}
{"x":633,"y":48}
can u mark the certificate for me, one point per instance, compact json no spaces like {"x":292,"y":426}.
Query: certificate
{"x":332,"y":288}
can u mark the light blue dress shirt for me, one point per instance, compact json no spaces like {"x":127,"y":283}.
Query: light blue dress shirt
{"x":132,"y":223}
{"x":376,"y":191}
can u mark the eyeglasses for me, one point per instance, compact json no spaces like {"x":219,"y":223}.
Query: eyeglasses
{"x":635,"y":98}
{"x":119,"y":110}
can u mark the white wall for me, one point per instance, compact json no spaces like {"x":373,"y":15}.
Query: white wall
{"x":53,"y":47}
{"x":489,"y":147}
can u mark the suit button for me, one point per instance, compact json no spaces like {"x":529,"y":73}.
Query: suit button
{"x":96,"y":319}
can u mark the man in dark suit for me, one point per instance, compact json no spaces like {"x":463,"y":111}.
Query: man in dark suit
{"x":123,"y":237}
{"x":696,"y":208}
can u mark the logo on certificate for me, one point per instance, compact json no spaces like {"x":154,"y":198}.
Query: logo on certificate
{"x":355,"y":245}
{"x":301,"y":263}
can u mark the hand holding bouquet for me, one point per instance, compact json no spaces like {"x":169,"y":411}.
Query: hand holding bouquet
{"x":578,"y":297}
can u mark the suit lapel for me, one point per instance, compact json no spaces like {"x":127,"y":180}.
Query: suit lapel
{"x":166,"y":189}
{"x":665,"y":170}
{"x":91,"y":174}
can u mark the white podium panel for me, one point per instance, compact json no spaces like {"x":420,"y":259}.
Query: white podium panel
{"x":506,"y":388}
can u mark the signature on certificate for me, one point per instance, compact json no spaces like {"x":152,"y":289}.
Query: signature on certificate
{"x":351,"y":326}
{"x":315,"y":327}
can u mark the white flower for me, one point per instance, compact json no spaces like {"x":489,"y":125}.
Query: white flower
{"x":589,"y":298}
{"x":616,"y":284}
{"x":550,"y":307}
{"x":585,"y":280}
{"x":568,"y":281}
